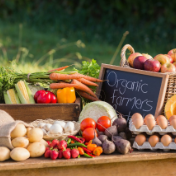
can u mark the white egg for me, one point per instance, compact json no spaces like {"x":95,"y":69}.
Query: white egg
{"x":56,"y":129}
{"x":61,"y":123}
{"x":47,"y":127}
{"x":41,"y":124}
{"x":69,"y":127}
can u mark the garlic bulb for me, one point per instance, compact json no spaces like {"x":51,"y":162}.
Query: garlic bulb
{"x":47,"y":127}
{"x":61,"y":123}
{"x":69,"y":127}
{"x":56,"y":129}
{"x":41,"y":124}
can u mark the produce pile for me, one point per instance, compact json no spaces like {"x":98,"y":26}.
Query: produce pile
{"x":110,"y":136}
{"x":26,"y":142}
{"x":99,"y":130}
{"x":56,"y":129}
{"x":15,"y":88}
{"x":160,"y":63}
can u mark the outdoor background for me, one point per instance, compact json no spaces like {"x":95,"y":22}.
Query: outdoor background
{"x":39,"y":34}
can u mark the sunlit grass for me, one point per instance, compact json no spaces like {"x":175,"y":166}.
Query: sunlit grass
{"x":27,"y":50}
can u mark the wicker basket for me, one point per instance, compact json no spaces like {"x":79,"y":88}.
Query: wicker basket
{"x":171,"y":86}
{"x":50,"y":137}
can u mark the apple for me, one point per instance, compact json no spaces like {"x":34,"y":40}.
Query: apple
{"x":147,"y":56}
{"x":170,"y":58}
{"x":162,"y":59}
{"x":168,"y":67}
{"x":174,"y":63}
{"x":132,"y":57}
{"x":172,"y":53}
{"x":152,"y":65}
{"x":139,"y":62}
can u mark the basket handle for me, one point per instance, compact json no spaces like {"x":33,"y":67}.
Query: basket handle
{"x":123,"y":61}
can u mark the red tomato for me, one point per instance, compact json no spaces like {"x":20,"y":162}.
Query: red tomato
{"x":88,"y":134}
{"x":103,"y":122}
{"x":87,"y":123}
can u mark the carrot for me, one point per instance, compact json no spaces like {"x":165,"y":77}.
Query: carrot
{"x":87,"y":96}
{"x":76,"y":84}
{"x":58,"y":76}
{"x":60,"y":85}
{"x":88,"y":78}
{"x":80,"y":86}
{"x":58,"y":69}
{"x":87,"y":82}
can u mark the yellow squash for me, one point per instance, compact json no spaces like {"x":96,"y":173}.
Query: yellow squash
{"x":66,"y":95}
{"x":170,"y":107}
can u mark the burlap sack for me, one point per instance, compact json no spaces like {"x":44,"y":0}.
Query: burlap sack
{"x":7,"y":125}
{"x":5,"y":118}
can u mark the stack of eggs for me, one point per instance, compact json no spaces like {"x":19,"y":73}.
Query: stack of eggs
{"x":150,"y":126}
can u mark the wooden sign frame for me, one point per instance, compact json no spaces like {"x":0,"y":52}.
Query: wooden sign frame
{"x":163,"y":87}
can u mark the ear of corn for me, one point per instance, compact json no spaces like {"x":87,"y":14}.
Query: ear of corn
{"x":24,"y":93}
{"x":11,"y":97}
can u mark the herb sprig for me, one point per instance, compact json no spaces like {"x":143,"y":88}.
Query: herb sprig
{"x":90,"y":68}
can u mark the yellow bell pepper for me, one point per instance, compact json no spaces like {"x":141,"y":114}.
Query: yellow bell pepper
{"x":66,"y":95}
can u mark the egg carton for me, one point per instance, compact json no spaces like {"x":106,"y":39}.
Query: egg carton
{"x":159,"y":145}
{"x":156,"y":129}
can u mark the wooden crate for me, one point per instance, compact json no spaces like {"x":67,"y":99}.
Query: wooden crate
{"x":31,"y":112}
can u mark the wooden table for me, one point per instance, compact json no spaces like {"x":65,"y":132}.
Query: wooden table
{"x":134,"y":164}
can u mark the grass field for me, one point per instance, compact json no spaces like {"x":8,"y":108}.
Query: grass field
{"x":34,"y":50}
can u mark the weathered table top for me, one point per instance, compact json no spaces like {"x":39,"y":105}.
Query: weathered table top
{"x":35,"y":163}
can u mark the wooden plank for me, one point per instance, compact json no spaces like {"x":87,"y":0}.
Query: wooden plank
{"x":34,"y":163}
{"x":135,"y":164}
{"x":146,"y":168}
{"x":31,"y":112}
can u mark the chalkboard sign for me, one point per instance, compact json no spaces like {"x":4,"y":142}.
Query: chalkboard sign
{"x":130,"y":90}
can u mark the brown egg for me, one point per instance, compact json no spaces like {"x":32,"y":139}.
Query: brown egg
{"x":149,"y":120}
{"x":166,"y":140}
{"x":162,"y":121}
{"x":140,"y":139}
{"x":172,"y":117}
{"x":173,"y":123}
{"x":153,"y":140}
{"x":137,"y":120}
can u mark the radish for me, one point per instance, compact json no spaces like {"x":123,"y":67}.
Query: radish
{"x":60,"y":154}
{"x":74,"y":153}
{"x":66,"y":153}
{"x":62,"y":145}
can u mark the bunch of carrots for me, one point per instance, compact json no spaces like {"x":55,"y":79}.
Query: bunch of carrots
{"x":78,"y":81}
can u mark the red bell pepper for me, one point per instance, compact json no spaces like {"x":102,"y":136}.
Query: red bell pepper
{"x":42,"y":96}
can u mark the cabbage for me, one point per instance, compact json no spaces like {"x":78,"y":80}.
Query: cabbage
{"x":34,"y":88}
{"x":97,"y":109}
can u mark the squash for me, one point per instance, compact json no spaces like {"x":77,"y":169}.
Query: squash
{"x":170,"y":107}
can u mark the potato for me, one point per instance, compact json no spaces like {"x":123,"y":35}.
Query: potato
{"x":19,"y":154}
{"x":36,"y":149}
{"x":4,"y":153}
{"x":44,"y":142}
{"x":19,"y":131}
{"x":20,"y":142}
{"x":28,"y":129}
{"x":35,"y":135}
